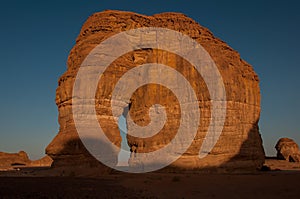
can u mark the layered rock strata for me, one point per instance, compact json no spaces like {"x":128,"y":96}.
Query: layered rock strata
{"x":240,"y":144}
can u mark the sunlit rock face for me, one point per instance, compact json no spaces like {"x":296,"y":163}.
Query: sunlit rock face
{"x":287,"y":149}
{"x":240,"y":144}
{"x":10,"y":159}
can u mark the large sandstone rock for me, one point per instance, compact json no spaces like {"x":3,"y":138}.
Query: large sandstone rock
{"x":240,"y":144}
{"x":287,"y":149}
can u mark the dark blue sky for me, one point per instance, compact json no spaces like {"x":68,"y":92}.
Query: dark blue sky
{"x":36,"y":37}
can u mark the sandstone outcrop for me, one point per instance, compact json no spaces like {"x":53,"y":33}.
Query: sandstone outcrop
{"x":45,"y":161}
{"x":287,"y":149}
{"x":11,"y":159}
{"x":240,"y":144}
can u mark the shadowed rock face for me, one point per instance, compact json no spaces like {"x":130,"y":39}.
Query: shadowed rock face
{"x":240,"y":144}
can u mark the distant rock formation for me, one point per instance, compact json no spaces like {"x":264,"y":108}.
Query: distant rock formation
{"x":239,"y":146}
{"x":287,"y":149}
{"x":9,"y":160}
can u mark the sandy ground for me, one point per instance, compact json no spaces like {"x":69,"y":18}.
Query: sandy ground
{"x":282,"y":182}
{"x":272,"y":184}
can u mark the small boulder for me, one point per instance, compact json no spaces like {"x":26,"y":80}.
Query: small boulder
{"x":287,"y":149}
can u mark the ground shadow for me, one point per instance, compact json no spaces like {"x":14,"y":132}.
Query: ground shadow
{"x":249,"y":158}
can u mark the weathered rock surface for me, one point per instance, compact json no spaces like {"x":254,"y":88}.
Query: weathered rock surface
{"x":45,"y":161}
{"x":287,"y":149}
{"x":10,"y":159}
{"x":240,"y":144}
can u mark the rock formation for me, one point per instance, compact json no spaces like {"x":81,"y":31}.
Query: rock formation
{"x":10,"y":159}
{"x":45,"y":161}
{"x":287,"y":149}
{"x":240,"y":144}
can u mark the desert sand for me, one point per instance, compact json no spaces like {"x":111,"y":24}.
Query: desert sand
{"x":42,"y":182}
